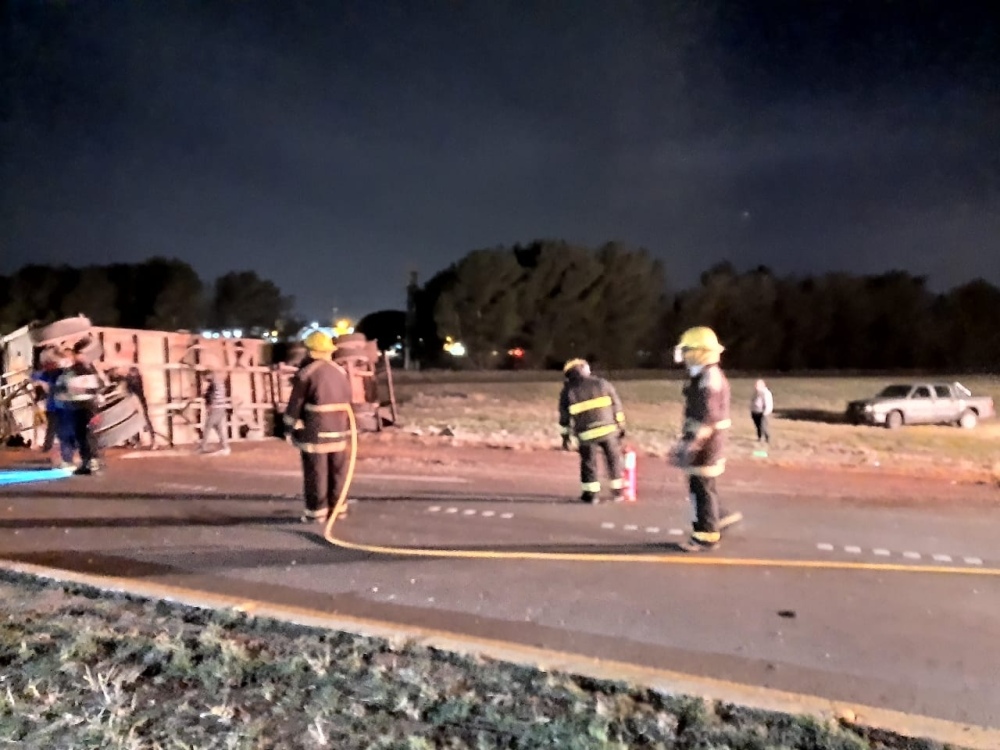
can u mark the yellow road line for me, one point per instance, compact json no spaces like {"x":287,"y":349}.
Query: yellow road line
{"x":660,"y":559}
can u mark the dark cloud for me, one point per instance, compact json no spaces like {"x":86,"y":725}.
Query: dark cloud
{"x":335,"y":146}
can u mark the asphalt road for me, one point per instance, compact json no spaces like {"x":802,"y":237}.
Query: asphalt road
{"x":915,"y":642}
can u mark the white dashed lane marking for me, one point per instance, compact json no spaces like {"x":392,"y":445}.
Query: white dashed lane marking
{"x":469,"y":512}
{"x":646,"y":529}
{"x":908,"y":554}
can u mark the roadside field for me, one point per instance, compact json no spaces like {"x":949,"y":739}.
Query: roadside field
{"x":518,"y":409}
{"x":90,"y":669}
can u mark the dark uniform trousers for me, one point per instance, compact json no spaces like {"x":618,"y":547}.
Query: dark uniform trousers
{"x":83,"y":431}
{"x":589,"y":450}
{"x":323,"y":477}
{"x":705,"y":499}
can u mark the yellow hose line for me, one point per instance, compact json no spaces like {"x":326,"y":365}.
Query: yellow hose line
{"x":341,"y":504}
{"x":612,"y":557}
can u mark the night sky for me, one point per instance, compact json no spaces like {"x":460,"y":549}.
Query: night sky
{"x":335,"y":146}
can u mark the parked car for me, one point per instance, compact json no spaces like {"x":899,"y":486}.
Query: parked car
{"x":922,"y":403}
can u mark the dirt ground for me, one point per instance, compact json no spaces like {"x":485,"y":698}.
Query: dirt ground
{"x":898,"y":482}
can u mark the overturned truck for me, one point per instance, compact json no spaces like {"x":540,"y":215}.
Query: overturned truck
{"x":157,"y":381}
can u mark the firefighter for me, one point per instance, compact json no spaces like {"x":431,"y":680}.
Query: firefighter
{"x":318,"y":428}
{"x":699,"y":452}
{"x":590,"y":408}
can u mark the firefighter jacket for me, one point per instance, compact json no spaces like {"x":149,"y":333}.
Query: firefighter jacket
{"x":316,"y":415}
{"x":590,"y":408}
{"x":706,"y":419}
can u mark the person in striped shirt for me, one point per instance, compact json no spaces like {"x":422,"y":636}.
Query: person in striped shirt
{"x":216,"y":409}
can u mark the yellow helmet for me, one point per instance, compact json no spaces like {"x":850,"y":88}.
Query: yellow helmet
{"x":320,"y":342}
{"x":576,"y":364}
{"x":698,"y":346}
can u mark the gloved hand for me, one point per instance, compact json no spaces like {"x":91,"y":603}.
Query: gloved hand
{"x":621,"y":432}
{"x":566,"y":444}
{"x":679,"y":455}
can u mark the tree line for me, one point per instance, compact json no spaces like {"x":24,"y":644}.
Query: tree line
{"x":157,"y":294}
{"x":552,"y":301}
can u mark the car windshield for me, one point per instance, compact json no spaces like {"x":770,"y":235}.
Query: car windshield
{"x":961,"y":390}
{"x":895,"y":391}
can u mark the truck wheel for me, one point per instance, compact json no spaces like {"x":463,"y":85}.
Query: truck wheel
{"x":117,"y":434}
{"x":894,"y":420}
{"x":61,"y":329}
{"x":118,"y":411}
{"x":968,"y":420}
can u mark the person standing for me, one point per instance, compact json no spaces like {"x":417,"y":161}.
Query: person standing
{"x":317,"y":423}
{"x":590,"y":408}
{"x":699,"y":452}
{"x":761,"y":406}
{"x":79,"y":387}
{"x":216,"y":410}
{"x":58,"y":420}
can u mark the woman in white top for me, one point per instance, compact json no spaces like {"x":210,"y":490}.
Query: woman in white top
{"x":761,"y":406}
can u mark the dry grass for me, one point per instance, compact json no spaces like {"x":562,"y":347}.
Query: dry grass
{"x":88,"y":669}
{"x":519,"y":409}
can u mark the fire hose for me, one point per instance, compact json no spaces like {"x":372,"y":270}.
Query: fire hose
{"x":340,"y":506}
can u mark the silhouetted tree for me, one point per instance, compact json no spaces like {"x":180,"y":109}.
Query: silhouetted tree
{"x":478,"y":307}
{"x":93,"y":295}
{"x":388,"y":327}
{"x":244,"y":300}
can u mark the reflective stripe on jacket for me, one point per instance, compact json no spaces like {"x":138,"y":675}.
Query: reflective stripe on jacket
{"x":706,"y":419}
{"x":590,"y":408}
{"x":316,"y":412}
{"x":79,"y":385}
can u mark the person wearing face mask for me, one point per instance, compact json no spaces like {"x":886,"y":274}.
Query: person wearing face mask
{"x":700,"y":450}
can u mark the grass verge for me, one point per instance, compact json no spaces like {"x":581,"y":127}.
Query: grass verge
{"x":82,"y":668}
{"x":808,"y":427}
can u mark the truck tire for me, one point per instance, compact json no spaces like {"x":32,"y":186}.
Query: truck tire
{"x":61,"y":329}
{"x":118,"y":411}
{"x":116,"y":434}
{"x":968,"y":420}
{"x":894,"y":420}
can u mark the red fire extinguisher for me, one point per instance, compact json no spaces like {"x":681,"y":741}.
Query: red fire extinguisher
{"x":629,"y":475}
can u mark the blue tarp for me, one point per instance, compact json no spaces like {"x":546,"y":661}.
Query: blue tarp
{"x":22,"y":476}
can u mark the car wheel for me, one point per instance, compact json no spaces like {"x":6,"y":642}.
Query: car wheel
{"x":894,"y":420}
{"x":968,"y":420}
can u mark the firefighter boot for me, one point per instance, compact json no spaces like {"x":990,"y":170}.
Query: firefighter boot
{"x":591,"y":498}
{"x":618,"y":496}
{"x":695,"y":545}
